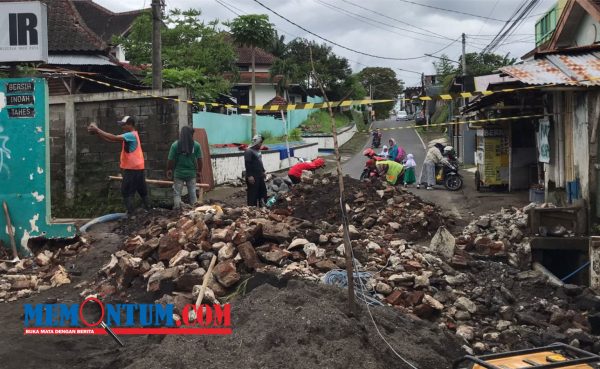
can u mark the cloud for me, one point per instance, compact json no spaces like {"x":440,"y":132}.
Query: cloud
{"x":370,"y":36}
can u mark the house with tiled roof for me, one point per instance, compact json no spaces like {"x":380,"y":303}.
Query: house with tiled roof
{"x":75,"y":46}
{"x":108,"y":24}
{"x":266,"y":84}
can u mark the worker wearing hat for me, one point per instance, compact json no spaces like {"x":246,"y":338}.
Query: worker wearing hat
{"x":131,"y":160}
{"x":255,"y":173}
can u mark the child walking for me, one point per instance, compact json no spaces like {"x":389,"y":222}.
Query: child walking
{"x":409,"y":170}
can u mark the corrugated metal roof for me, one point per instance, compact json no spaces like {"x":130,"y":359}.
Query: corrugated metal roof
{"x":561,"y":69}
{"x":79,"y":60}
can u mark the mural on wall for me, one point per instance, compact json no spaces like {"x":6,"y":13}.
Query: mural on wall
{"x":24,"y":180}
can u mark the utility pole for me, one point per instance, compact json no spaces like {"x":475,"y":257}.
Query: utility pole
{"x":156,"y":45}
{"x":464,"y":55}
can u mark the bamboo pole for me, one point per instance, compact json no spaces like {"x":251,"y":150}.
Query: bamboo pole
{"x":347,"y":244}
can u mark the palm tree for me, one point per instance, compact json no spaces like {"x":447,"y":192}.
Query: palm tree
{"x":252,"y":30}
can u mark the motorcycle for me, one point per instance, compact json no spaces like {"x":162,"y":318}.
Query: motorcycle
{"x":370,"y":172}
{"x":376,"y":141}
{"x":447,"y":174}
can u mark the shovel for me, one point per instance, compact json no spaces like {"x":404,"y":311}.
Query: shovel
{"x":11,"y":234}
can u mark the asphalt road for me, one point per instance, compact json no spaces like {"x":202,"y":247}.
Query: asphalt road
{"x":407,"y":138}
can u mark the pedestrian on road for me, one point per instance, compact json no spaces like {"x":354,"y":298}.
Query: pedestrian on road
{"x":434,"y":156}
{"x":409,"y":170}
{"x":393,"y":149}
{"x":131,"y":161}
{"x":391,"y":169}
{"x":255,"y":173}
{"x":184,"y":165}
{"x":385,"y":152}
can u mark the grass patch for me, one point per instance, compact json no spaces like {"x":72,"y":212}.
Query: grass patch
{"x":320,"y":121}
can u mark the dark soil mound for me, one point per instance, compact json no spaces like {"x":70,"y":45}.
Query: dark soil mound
{"x":302,"y":325}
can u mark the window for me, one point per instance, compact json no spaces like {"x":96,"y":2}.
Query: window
{"x":544,"y":27}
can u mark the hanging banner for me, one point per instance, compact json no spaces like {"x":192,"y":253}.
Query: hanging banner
{"x":543,"y":144}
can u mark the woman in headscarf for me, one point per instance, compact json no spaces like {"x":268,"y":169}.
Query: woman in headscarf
{"x":184,"y":165}
{"x":409,"y":170}
{"x":434,"y":156}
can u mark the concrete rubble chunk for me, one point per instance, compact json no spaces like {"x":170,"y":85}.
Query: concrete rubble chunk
{"x":383,"y":288}
{"x":226,"y":252}
{"x":373,"y":246}
{"x":466,"y":332}
{"x":465,"y":304}
{"x":248,"y":254}
{"x":443,"y":243}
{"x":226,"y":273}
{"x":298,"y":243}
{"x":435,"y":304}
{"x":179,"y":258}
{"x":60,"y":277}
{"x":43,"y":258}
{"x":218,"y":245}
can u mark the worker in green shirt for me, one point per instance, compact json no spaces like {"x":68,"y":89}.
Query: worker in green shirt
{"x":184,"y":165}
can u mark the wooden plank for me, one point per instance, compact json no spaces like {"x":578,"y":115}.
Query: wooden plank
{"x":207,"y":174}
{"x":159,"y":182}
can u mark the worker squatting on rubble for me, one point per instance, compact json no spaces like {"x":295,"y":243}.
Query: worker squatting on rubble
{"x":184,"y":165}
{"x":131,"y":161}
{"x":391,"y":169}
{"x":255,"y":173}
{"x":295,"y":172}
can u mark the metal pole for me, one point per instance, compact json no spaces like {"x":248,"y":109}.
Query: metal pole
{"x":287,"y":142}
{"x":156,"y":45}
{"x":464,"y":55}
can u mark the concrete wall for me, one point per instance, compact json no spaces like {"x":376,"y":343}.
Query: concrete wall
{"x":325,"y":141}
{"x":81,"y":163}
{"x":229,"y":167}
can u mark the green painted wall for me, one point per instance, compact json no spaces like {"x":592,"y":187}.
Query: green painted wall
{"x":222,"y":128}
{"x":24,"y":164}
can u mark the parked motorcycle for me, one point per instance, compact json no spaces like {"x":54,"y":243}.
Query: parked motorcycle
{"x":447,"y":174}
{"x":370,"y":172}
{"x":376,"y":142}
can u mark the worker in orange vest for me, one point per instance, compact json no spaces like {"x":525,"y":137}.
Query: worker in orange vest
{"x":131,"y":162}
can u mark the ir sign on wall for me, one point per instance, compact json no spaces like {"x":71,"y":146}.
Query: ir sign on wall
{"x":23,"y":32}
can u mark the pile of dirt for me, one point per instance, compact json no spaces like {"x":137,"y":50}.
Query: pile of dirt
{"x":302,"y":325}
{"x":369,"y":203}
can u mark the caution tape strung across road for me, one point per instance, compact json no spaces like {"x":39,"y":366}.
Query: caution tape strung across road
{"x":489,"y":120}
{"x":275,"y":108}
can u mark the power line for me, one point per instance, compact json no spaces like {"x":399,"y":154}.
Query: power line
{"x":230,"y":6}
{"x":377,"y":22}
{"x":526,"y":7}
{"x":453,"y":11}
{"x":333,"y":42}
{"x":397,"y":20}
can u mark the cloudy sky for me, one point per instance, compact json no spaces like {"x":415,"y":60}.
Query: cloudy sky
{"x":388,"y":28}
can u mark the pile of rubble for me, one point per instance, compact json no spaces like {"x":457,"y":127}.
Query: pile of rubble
{"x":476,"y":286}
{"x":503,"y":234}
{"x":24,"y":277}
{"x":368,"y":205}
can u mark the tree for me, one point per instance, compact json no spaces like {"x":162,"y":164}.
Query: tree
{"x":383,"y":85}
{"x":334,"y":71}
{"x":284,"y":72}
{"x":479,"y":64}
{"x":444,"y":67}
{"x":194,"y":54}
{"x":252,"y":30}
{"x":278,"y":47}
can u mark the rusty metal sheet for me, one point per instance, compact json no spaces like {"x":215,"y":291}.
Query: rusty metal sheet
{"x":561,"y":69}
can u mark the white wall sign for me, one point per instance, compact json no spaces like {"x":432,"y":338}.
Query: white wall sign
{"x":23,"y":32}
{"x":543,"y":144}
